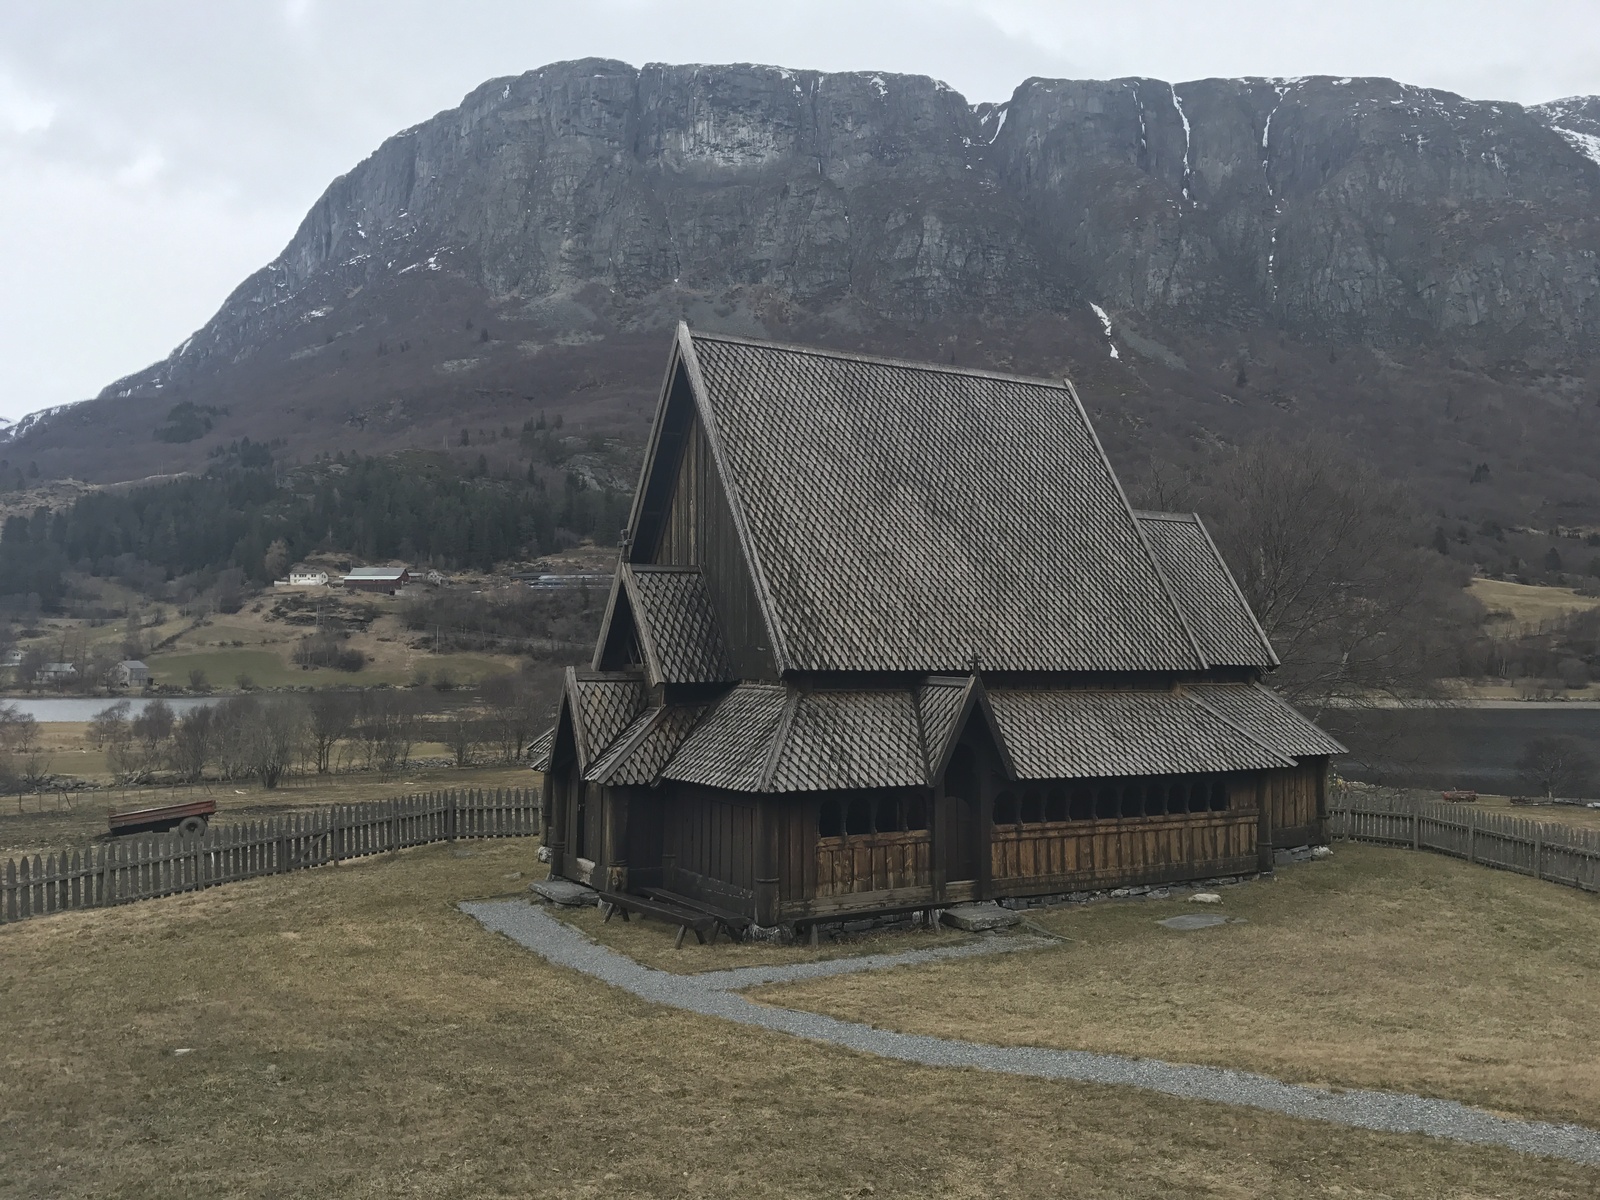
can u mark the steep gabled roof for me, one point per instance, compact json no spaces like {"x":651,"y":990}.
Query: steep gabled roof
{"x":678,"y":628}
{"x":602,"y":706}
{"x":906,"y":517}
{"x":1215,"y":608}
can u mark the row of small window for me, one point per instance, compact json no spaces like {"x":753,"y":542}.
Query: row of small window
{"x":852,"y":815}
{"x":1103,"y":799}
{"x":1107,"y":799}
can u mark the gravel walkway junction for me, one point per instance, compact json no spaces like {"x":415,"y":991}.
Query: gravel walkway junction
{"x":714,"y":994}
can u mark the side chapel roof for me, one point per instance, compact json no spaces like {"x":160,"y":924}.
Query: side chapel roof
{"x":780,"y":737}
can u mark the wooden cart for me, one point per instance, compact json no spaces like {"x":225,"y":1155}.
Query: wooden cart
{"x":189,"y":819}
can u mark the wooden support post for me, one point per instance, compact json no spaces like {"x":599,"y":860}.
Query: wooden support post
{"x":1263,"y":826}
{"x":614,"y":838}
{"x":766,"y":870}
{"x":559,"y":820}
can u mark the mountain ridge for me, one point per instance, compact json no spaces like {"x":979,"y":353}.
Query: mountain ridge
{"x":1268,"y":255}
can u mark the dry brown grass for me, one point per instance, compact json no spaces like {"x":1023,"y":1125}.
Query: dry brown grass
{"x":1379,"y":968}
{"x":354,"y":1035}
{"x":38,"y":824}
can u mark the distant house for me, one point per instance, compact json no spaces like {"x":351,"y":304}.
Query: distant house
{"x":133,"y":673}
{"x":377,"y":579}
{"x":308,"y":579}
{"x":57,"y":672}
{"x":13,"y":658}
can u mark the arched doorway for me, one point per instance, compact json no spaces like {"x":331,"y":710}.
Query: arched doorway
{"x":958,"y":817}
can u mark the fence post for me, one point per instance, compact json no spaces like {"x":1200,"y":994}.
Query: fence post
{"x":1416,"y":824}
{"x":1472,"y":835}
{"x":1538,"y":850}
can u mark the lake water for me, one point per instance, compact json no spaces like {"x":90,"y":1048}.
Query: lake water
{"x":1473,"y":748}
{"x":50,"y":709}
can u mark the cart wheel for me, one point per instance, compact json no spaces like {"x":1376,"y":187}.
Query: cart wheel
{"x":192,"y":826}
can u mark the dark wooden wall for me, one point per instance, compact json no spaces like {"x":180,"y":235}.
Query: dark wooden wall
{"x":708,"y":846}
{"x":1296,"y":803}
{"x":699,"y":532}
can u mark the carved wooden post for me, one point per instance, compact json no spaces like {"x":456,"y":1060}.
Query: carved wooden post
{"x":562,"y":798}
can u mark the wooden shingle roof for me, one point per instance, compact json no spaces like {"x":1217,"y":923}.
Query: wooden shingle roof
{"x":678,"y":628}
{"x":784,"y":738}
{"x":1265,"y":714}
{"x":906,"y":517}
{"x":1069,"y":734}
{"x":1215,"y":609}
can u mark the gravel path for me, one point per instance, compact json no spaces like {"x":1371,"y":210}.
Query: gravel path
{"x":713,"y":994}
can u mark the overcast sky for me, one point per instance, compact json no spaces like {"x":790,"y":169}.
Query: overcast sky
{"x":155,"y":152}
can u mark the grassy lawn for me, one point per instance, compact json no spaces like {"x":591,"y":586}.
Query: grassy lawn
{"x":352,"y":1034}
{"x":272,"y":668}
{"x":1528,"y":603}
{"x":1378,"y":968}
{"x":40,"y":824}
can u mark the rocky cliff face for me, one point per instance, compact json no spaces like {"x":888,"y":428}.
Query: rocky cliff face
{"x":579,"y":208}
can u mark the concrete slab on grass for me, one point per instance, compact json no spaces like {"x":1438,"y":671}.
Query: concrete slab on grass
{"x":1194,"y":921}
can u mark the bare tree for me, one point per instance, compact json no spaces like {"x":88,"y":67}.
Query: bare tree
{"x":277,"y":737}
{"x":512,"y":712}
{"x":22,"y":761}
{"x":232,"y":740}
{"x":462,"y":733}
{"x":1334,"y":562}
{"x":1552,"y":764}
{"x":192,"y":740}
{"x":330,"y":715}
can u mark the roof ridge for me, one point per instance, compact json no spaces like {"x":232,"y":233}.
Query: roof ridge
{"x":880,"y":360}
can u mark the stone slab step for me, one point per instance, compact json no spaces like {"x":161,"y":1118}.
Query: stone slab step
{"x":979,"y":918}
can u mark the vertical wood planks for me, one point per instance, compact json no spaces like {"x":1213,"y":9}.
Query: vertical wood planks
{"x":1555,"y":853}
{"x":130,"y":869}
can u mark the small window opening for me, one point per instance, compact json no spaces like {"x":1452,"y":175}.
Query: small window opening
{"x":1005,"y":809}
{"x":1032,"y":807}
{"x":1055,"y":805}
{"x":916,"y":814}
{"x":1219,"y":795}
{"x":1107,"y":801}
{"x":888,"y":815}
{"x":1082,"y":806}
{"x":858,"y":817}
{"x":1155,"y":798}
{"x":830,"y":820}
{"x":1133,"y":798}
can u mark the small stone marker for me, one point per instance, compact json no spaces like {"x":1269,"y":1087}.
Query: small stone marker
{"x":184,"y":1050}
{"x":1322,"y":852}
{"x":1194,"y":921}
{"x":978,"y":918}
{"x":1205,"y":898}
{"x":563,"y":891}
